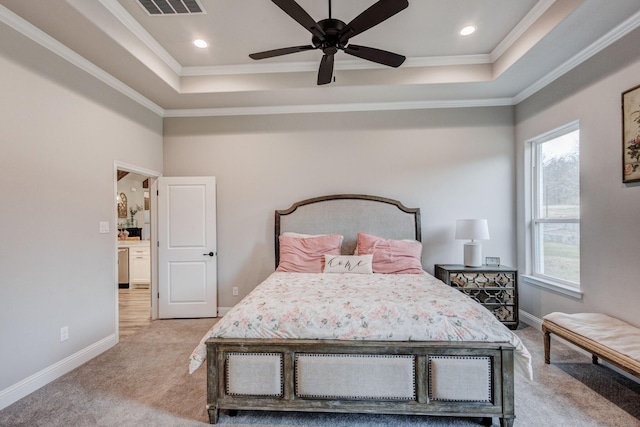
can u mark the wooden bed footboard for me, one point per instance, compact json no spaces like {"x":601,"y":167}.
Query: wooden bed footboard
{"x":462,"y":379}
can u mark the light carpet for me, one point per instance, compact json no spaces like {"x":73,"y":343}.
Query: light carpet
{"x":143,"y":381}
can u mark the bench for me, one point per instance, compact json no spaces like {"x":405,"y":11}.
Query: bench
{"x":603,"y":336}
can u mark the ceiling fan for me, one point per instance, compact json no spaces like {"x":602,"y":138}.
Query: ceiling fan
{"x":331,"y":35}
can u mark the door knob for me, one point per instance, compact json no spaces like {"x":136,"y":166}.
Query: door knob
{"x":210,"y":254}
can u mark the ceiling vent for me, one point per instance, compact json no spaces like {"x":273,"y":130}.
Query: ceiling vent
{"x":171,"y":7}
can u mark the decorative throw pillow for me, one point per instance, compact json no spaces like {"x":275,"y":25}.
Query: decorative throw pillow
{"x":306,"y":255}
{"x":392,"y":256}
{"x":348,"y":264}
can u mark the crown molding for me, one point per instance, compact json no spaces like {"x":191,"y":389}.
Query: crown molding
{"x":603,"y":42}
{"x":132,"y":25}
{"x":339,"y":108}
{"x":35,"y":34}
{"x":530,"y":18}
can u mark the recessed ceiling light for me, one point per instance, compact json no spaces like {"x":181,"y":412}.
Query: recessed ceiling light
{"x":467,"y":30}
{"x":200,"y":43}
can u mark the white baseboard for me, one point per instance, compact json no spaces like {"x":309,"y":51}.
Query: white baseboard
{"x":530,"y":320}
{"x":39,"y":379}
{"x":223,"y":310}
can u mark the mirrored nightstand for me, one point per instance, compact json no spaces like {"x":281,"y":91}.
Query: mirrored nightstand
{"x":496,"y":288}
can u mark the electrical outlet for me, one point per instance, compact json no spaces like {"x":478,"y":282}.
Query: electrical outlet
{"x":235,"y":291}
{"x":64,"y":333}
{"x":104,"y":227}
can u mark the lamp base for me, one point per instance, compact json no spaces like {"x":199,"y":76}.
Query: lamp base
{"x":472,"y":254}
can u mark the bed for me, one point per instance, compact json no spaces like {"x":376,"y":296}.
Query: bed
{"x":366,"y":339}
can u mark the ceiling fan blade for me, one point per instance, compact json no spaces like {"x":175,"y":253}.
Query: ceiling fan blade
{"x":377,"y":13}
{"x":375,"y":55}
{"x":294,"y":10}
{"x":325,"y":73}
{"x":280,"y":52}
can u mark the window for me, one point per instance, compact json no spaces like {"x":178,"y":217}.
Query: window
{"x":556,"y":207}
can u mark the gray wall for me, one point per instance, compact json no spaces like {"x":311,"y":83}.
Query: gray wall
{"x":451,"y":163}
{"x":61,"y":131}
{"x":610,"y":210}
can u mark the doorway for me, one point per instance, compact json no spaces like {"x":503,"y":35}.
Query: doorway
{"x":133,"y":230}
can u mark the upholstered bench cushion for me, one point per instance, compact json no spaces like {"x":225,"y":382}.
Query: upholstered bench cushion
{"x":606,"y":333}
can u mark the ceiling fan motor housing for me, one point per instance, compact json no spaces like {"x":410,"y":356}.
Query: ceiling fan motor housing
{"x":332,"y":29}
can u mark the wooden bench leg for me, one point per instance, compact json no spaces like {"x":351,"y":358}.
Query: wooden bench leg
{"x":547,"y":346}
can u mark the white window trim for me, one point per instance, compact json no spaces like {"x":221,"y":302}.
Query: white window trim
{"x":552,"y":285}
{"x":539,"y":280}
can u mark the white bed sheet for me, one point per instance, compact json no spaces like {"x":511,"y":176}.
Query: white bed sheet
{"x":373,"y":307}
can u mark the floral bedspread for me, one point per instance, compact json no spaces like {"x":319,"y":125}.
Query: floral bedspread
{"x":375,"y":307}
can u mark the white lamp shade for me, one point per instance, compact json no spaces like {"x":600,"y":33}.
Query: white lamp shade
{"x":473,"y":229}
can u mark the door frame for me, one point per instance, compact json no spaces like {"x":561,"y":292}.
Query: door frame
{"x":153,"y":175}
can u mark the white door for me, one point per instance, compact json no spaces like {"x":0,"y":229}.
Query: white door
{"x":187,"y":258}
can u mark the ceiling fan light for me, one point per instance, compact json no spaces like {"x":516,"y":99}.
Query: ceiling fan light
{"x":470,"y":29}
{"x":200,"y":43}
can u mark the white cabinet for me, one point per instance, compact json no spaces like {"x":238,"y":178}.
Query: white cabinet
{"x":139,"y":266}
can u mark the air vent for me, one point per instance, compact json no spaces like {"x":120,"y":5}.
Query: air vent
{"x":171,"y":7}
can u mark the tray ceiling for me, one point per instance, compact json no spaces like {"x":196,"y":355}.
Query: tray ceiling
{"x":519,"y":47}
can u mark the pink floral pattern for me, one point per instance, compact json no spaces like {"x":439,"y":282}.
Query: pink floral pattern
{"x":379,"y":307}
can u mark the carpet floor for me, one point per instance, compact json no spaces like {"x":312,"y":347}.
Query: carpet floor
{"x":143,"y":381}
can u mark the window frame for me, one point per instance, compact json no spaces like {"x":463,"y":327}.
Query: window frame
{"x":536,"y":219}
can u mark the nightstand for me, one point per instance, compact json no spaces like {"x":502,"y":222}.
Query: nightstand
{"x":496,"y":288}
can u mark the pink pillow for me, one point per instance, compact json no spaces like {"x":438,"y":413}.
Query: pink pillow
{"x":306,"y":255}
{"x":392,"y":256}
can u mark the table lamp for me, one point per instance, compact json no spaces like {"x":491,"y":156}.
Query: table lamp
{"x":472,"y":229}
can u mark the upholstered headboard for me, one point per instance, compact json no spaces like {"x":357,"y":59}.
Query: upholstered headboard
{"x":349,"y":214}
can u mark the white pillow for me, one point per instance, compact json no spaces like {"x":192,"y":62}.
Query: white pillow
{"x":362,"y":264}
{"x":300,"y":235}
{"x":306,"y":236}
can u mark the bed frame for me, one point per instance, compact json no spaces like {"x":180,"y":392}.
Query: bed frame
{"x":463,"y":379}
